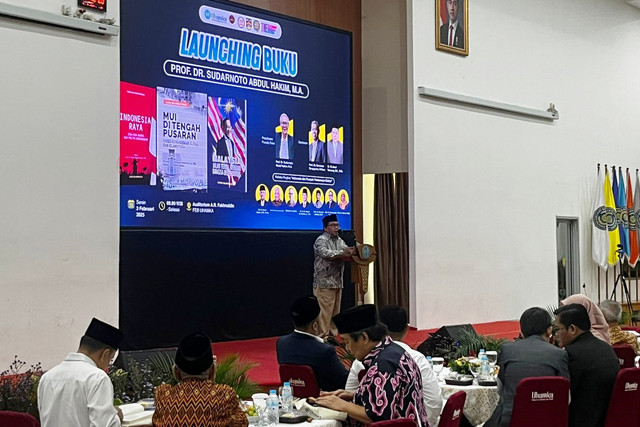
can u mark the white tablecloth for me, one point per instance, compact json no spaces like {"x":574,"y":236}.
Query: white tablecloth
{"x":480,"y":403}
{"x":314,"y":423}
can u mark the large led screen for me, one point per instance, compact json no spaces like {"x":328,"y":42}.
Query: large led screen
{"x":232,"y":118}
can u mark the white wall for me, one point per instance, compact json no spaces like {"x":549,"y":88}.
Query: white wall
{"x":59,"y":211}
{"x":486,"y":188}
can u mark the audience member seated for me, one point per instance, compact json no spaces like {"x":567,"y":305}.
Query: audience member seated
{"x":395,"y":318}
{"x":78,"y":392}
{"x":196,"y":400}
{"x":593,"y":367}
{"x":304,"y":347}
{"x":599,"y":326}
{"x":612,"y":311}
{"x":531,"y":356}
{"x":391,"y":387}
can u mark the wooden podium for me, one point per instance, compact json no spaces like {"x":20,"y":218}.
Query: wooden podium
{"x":365,"y":255}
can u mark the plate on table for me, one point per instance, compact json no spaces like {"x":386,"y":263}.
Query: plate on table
{"x":487,"y":383}
{"x":459,"y":381}
{"x":293,"y":419}
{"x":148,"y":404}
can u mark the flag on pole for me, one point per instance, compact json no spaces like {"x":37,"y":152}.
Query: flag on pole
{"x":633,"y":224}
{"x":599,"y":231}
{"x":621,"y":214}
{"x":609,"y":202}
{"x":636,"y":210}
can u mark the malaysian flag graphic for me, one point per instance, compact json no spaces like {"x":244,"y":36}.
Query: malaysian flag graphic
{"x":234,"y":110}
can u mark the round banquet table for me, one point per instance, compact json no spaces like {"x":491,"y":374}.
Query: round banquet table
{"x":480,"y":403}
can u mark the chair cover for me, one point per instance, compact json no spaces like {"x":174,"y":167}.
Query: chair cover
{"x":624,"y":406}
{"x":17,"y":419}
{"x":302,"y":379}
{"x":541,"y":401}
{"x":452,"y":411}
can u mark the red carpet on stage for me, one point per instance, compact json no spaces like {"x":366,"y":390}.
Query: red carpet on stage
{"x":263,"y":350}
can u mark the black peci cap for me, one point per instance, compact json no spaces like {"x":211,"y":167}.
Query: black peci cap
{"x":194,"y":355}
{"x":329,"y":218}
{"x":105,"y":333}
{"x":356,"y":318}
{"x":305,"y":310}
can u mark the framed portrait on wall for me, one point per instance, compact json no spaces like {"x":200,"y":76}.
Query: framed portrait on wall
{"x":452,"y":26}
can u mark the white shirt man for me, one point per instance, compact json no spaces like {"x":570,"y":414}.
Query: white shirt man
{"x":78,"y":392}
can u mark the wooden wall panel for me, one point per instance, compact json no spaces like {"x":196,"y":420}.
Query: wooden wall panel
{"x":345,"y":15}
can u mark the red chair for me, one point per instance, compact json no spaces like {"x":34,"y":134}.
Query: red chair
{"x":302,"y":379}
{"x":626,"y":356}
{"x":452,"y":411}
{"x":541,"y":401}
{"x":398,"y":422}
{"x":17,"y":419}
{"x":624,"y":399}
{"x":630,"y":328}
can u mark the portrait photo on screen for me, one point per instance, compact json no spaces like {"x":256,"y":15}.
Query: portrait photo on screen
{"x":227,"y":132}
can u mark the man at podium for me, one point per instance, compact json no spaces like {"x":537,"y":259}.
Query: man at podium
{"x":330,"y":252}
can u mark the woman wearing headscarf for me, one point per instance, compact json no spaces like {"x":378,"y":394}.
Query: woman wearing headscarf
{"x":599,"y":325}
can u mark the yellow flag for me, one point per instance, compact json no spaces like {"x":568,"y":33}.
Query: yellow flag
{"x":614,"y":235}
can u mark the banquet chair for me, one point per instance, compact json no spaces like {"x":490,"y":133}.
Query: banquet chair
{"x":398,"y":422}
{"x":630,"y":328}
{"x":17,"y":419}
{"x":452,"y":411}
{"x":302,"y":379}
{"x":626,"y":356}
{"x":541,"y":401}
{"x":624,"y":398}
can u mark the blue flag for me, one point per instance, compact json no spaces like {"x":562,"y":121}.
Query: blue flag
{"x":616,"y":196}
{"x":621,"y":210}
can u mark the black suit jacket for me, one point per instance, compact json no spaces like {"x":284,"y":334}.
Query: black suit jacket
{"x":321,"y":153}
{"x":458,"y":36}
{"x":301,"y":349}
{"x":221,"y":148}
{"x":289,"y":145}
{"x":593,"y":366}
{"x":530,"y":357}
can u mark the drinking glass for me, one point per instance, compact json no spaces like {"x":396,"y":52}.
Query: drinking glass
{"x":280,"y":392}
{"x":280,"y":397}
{"x":260,"y":403}
{"x":492,"y":356}
{"x":438,"y":365}
{"x":474,"y":367}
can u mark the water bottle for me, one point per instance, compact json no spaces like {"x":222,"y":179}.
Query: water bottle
{"x":272,"y":408}
{"x":485,"y":369}
{"x":287,"y":398}
{"x":430,"y":360}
